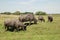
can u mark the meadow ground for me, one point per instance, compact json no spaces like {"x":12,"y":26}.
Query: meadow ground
{"x":40,"y":31}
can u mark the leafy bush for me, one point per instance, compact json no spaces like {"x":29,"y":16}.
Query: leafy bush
{"x":40,"y":13}
{"x":16,"y":13}
{"x":7,"y":13}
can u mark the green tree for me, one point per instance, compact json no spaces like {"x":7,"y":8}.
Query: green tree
{"x":7,"y":13}
{"x":28,"y":13}
{"x":40,"y":13}
{"x":16,"y":13}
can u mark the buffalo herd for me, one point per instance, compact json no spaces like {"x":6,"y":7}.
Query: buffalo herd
{"x":18,"y":24}
{"x":14,"y":24}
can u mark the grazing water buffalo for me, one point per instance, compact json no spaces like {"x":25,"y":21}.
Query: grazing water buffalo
{"x":28,"y":17}
{"x":14,"y":24}
{"x":41,"y":18}
{"x":9,"y":24}
{"x":50,"y":18}
{"x":19,"y":25}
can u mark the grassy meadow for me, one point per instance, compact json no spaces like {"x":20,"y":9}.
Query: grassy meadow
{"x":40,"y":31}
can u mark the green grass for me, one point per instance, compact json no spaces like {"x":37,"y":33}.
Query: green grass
{"x":40,"y":31}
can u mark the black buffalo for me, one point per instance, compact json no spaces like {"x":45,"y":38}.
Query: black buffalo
{"x":41,"y":18}
{"x":50,"y":18}
{"x":28,"y":17}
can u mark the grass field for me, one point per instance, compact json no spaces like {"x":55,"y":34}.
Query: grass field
{"x":40,"y":31}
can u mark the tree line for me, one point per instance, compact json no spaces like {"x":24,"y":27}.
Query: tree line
{"x":18,"y":13}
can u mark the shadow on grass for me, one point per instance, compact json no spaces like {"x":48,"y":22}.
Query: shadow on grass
{"x":27,"y":24}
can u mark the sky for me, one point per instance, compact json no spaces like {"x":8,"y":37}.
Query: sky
{"x":48,"y":6}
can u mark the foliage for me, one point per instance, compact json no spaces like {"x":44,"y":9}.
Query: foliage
{"x":40,"y":13}
{"x":27,"y":13}
{"x":16,"y":13}
{"x":7,"y":13}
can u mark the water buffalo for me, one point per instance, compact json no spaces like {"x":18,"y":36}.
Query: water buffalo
{"x":41,"y":18}
{"x":28,"y":17}
{"x":9,"y":24}
{"x":14,"y":24}
{"x":19,"y":25}
{"x":50,"y":18}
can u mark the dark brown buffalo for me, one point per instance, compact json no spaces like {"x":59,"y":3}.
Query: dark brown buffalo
{"x":14,"y":24}
{"x":41,"y":18}
{"x":50,"y":18}
{"x":28,"y":17}
{"x":9,"y":24}
{"x":19,"y":25}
